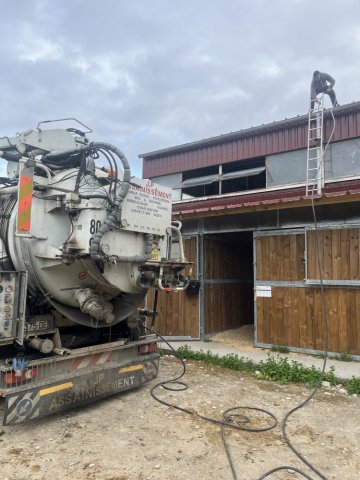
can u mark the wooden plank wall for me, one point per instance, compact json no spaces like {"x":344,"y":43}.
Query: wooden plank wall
{"x":338,"y":251}
{"x":178,"y":313}
{"x":229,"y":294}
{"x":293,"y":316}
{"x":280,"y":258}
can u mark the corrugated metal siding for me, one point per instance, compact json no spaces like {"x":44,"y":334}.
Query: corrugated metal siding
{"x":273,"y":139}
{"x":241,"y":149}
{"x":346,"y":126}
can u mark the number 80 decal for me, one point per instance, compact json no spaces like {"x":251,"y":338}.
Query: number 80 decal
{"x":94,"y":226}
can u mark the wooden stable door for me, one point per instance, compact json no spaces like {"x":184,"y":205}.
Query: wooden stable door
{"x":290,"y":308}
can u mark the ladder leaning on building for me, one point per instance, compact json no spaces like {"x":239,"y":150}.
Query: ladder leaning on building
{"x":315,"y":150}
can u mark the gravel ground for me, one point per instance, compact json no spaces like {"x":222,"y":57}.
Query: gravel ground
{"x":133,"y":437}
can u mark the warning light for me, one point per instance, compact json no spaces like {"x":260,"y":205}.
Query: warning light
{"x":18,"y":376}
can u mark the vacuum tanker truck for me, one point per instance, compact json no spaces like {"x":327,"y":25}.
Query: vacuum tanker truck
{"x":81,"y":243}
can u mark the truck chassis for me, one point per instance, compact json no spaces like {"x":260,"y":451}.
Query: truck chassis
{"x":41,"y":387}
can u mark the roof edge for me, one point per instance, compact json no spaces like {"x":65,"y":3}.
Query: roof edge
{"x":275,"y":125}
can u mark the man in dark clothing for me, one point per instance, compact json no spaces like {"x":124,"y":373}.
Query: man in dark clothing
{"x":322,"y":83}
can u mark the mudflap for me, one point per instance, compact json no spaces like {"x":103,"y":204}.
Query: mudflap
{"x":36,"y":402}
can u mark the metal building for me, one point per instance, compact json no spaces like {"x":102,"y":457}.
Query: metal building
{"x":249,"y":227}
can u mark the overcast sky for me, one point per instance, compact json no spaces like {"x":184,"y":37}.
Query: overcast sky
{"x":149,"y":74}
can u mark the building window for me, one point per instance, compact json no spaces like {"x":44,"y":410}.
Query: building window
{"x":202,"y":182}
{"x":243,"y":175}
{"x":221,"y":179}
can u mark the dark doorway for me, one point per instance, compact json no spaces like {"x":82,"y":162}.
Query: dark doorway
{"x":228,"y":281}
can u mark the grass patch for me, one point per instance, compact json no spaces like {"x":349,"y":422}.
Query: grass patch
{"x":230,"y":361}
{"x":353,"y":386}
{"x":274,"y":368}
{"x":284,"y":371}
{"x":319,"y":355}
{"x":345,"y":357}
{"x":280,"y":349}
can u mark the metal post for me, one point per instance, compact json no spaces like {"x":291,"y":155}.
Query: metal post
{"x":201,"y":279}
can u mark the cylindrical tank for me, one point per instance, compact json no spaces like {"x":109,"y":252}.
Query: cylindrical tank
{"x":96,"y":238}
{"x":58,"y":228}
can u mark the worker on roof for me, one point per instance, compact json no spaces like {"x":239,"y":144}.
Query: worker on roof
{"x":323,"y":83}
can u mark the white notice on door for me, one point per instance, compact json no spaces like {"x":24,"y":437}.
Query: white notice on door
{"x":263,"y":291}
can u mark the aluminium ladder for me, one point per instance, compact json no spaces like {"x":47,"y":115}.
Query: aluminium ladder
{"x":315,"y":150}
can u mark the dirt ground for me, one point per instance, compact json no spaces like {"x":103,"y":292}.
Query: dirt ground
{"x":133,"y":437}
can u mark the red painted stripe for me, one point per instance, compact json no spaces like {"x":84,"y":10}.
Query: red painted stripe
{"x":25,"y":205}
{"x":94,"y":359}
{"x":25,"y":202}
{"x":75,"y":363}
{"x":90,"y":361}
{"x":24,"y":180}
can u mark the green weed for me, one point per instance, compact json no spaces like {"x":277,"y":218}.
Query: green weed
{"x":353,"y":386}
{"x":280,"y":349}
{"x":230,"y":361}
{"x":285,"y":371}
{"x":273,"y":368}
{"x":345,"y":357}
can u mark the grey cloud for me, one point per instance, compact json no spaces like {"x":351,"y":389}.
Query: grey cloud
{"x":148,"y":75}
